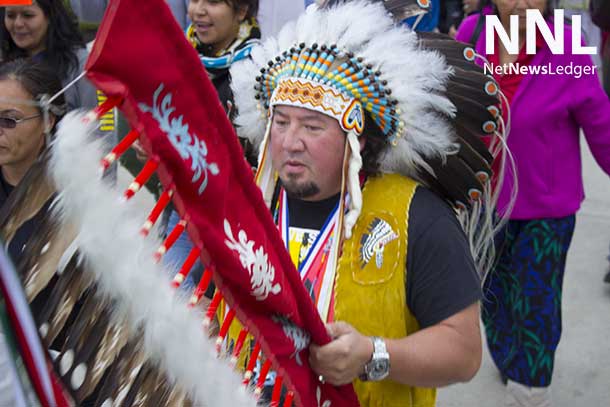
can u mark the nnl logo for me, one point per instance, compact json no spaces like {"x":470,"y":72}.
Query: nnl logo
{"x":533,"y":20}
{"x":15,"y":2}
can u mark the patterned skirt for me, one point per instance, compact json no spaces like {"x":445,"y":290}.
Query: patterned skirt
{"x":522,"y":298}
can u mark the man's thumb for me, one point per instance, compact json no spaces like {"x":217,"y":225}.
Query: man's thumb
{"x":336,"y":329}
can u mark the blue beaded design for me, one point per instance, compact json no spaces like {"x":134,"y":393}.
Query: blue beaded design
{"x":353,"y":77}
{"x":225,"y":61}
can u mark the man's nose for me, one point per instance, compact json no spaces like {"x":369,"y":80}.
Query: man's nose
{"x":292,"y":140}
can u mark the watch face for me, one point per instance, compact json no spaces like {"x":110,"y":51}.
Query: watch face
{"x":380,"y":369}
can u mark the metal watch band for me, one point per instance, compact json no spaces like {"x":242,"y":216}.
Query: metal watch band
{"x":380,"y":355}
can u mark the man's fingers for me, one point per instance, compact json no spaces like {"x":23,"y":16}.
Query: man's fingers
{"x":322,"y":353}
{"x":336,"y":329}
{"x":331,"y":357}
{"x":339,"y":361}
{"x":314,"y":356}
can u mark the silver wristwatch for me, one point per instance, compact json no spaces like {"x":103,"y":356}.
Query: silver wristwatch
{"x":378,"y":367}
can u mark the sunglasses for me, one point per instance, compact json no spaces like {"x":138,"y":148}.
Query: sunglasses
{"x":10,"y":123}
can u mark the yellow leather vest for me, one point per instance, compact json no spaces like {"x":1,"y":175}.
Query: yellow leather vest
{"x":370,"y":292}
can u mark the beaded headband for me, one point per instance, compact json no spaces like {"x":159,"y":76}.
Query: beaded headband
{"x":321,"y":98}
{"x":345,"y":89}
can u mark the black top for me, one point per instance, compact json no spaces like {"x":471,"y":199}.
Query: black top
{"x":438,"y":286}
{"x":5,"y":189}
{"x":441,"y":276}
{"x":22,"y":235}
{"x":310,"y":215}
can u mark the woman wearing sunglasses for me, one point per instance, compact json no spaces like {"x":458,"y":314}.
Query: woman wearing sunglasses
{"x":25,"y":127}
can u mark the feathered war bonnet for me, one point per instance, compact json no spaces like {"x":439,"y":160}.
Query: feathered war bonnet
{"x":351,"y":58}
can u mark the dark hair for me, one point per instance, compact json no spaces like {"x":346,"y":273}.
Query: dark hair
{"x":251,"y":4}
{"x":484,"y":3}
{"x":62,"y":39}
{"x":374,"y":144}
{"x":39,"y":80}
{"x":547,"y":13}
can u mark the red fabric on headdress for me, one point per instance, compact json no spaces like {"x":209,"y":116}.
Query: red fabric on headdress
{"x":141,"y":55}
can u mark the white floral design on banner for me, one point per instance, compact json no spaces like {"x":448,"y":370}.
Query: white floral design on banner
{"x":177,"y":132}
{"x":299,"y":337}
{"x":262,"y":273}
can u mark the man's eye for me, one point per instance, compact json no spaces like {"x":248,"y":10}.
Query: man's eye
{"x":281,"y":123}
{"x":313,"y":128}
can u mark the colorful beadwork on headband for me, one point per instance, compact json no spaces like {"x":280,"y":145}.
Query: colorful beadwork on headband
{"x":353,"y":78}
{"x":321,"y":98}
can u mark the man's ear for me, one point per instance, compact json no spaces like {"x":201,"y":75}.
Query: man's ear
{"x":362,"y":141}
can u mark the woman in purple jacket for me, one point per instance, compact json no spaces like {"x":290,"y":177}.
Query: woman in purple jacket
{"x":522,"y":307}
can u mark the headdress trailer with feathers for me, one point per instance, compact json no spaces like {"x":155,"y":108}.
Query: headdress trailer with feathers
{"x":432,"y":103}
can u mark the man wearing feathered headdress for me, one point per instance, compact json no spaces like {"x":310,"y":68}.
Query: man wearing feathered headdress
{"x":354,"y":120}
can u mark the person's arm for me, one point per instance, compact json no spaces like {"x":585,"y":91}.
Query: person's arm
{"x":442,"y":354}
{"x":591,"y":109}
{"x":443,"y":292}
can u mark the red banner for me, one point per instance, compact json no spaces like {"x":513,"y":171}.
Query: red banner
{"x":142,"y":56}
{"x":16,"y":2}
